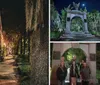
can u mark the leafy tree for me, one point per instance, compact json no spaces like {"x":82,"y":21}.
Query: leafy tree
{"x":63,"y":17}
{"x":38,"y":11}
{"x":77,"y":24}
{"x":93,"y":19}
{"x":55,"y":18}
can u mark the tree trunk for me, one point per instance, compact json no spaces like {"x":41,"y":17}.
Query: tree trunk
{"x":24,"y":42}
{"x":28,"y":36}
{"x":21,"y":46}
{"x":38,"y":41}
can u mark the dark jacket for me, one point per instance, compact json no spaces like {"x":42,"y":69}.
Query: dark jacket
{"x":76,"y":71}
{"x":85,"y":73}
{"x":61,"y":73}
{"x":81,"y":66}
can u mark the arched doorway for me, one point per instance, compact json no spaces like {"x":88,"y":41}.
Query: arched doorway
{"x":68,"y":54}
{"x":77,"y":25}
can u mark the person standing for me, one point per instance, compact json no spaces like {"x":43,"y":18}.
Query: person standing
{"x":73,"y":72}
{"x":85,"y":74}
{"x":81,"y":64}
{"x":61,"y":73}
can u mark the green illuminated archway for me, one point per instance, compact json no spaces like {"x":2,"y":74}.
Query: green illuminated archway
{"x":68,"y":54}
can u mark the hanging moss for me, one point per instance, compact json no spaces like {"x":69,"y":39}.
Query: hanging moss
{"x":38,"y":40}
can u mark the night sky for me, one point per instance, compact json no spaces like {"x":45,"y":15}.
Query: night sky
{"x":13,"y":14}
{"x":89,"y":4}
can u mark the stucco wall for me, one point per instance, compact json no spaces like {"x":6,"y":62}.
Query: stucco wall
{"x":87,"y":48}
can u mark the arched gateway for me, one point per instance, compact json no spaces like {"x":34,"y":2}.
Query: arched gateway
{"x":75,"y":13}
{"x":89,"y":51}
{"x":70,"y":15}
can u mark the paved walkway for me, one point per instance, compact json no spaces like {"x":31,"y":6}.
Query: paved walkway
{"x":7,"y":72}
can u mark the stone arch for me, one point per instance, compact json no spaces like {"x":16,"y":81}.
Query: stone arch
{"x":76,"y":13}
{"x":82,"y":50}
{"x":68,"y":47}
{"x":73,"y":16}
{"x":68,"y":66}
